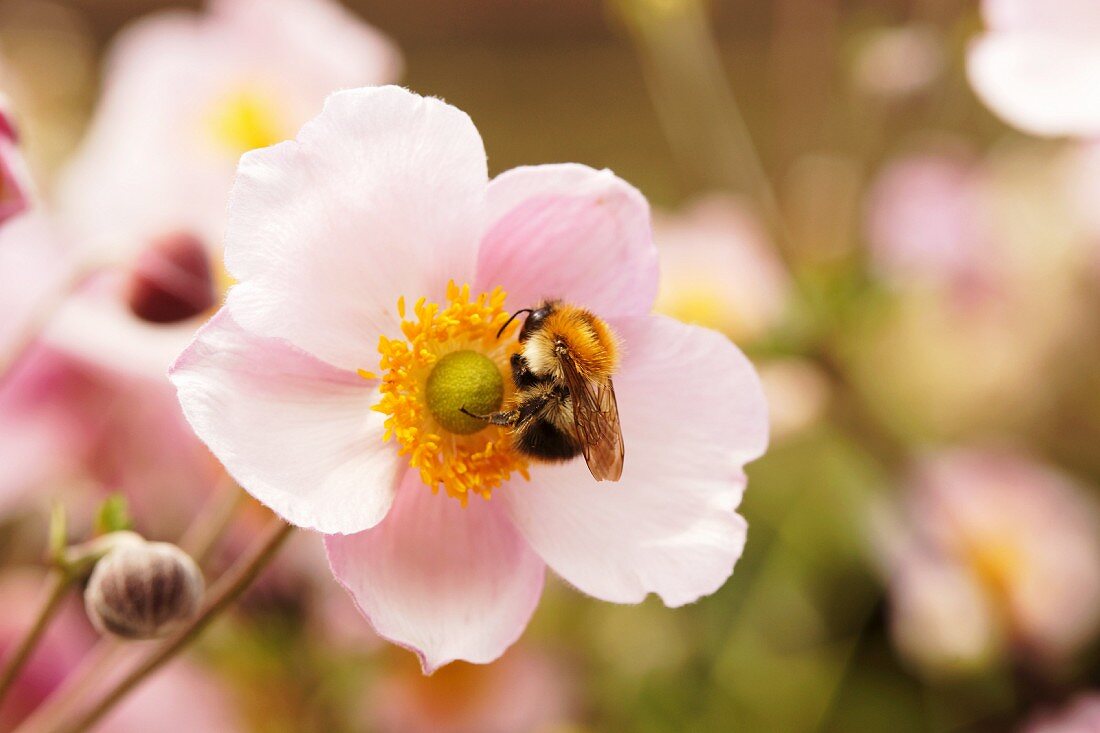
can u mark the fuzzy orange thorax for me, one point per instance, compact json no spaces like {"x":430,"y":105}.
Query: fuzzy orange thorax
{"x":592,"y":345}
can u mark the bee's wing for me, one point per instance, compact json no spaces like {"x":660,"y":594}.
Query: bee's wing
{"x":596,"y":417}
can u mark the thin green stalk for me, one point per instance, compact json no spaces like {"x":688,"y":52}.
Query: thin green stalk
{"x":58,"y":584}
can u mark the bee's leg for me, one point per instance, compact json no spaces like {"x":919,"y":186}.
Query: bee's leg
{"x":507,"y":418}
{"x":510,"y":418}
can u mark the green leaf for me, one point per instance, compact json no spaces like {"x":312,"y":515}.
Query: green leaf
{"x":113,"y":515}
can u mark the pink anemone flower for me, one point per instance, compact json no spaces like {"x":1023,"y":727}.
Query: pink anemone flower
{"x":1038,"y":66}
{"x":311,"y":384}
{"x":995,"y":554}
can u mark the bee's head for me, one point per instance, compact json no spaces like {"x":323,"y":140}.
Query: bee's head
{"x":535,"y":318}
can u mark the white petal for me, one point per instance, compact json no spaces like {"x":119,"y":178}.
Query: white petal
{"x":381,"y":196}
{"x":1043,"y":84}
{"x":296,"y":433}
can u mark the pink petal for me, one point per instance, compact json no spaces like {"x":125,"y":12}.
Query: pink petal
{"x":568,"y":231}
{"x":380,"y":197}
{"x":298,"y":434}
{"x":1043,"y":84}
{"x":693,"y":414}
{"x":445,"y":581}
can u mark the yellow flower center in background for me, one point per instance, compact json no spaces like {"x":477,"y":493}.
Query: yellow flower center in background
{"x":451,"y":358}
{"x":246,"y":119}
{"x":704,"y":303}
{"x":999,"y":563}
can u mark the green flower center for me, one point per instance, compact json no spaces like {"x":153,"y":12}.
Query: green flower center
{"x":464,"y":379}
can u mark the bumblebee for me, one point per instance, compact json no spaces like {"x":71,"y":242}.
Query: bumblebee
{"x":564,"y":404}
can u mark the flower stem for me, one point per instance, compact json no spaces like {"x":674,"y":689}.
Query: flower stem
{"x":202,"y":536}
{"x":58,"y":584}
{"x":222,"y":594}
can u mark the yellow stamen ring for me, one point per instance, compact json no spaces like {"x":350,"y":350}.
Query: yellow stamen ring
{"x":450,"y":358}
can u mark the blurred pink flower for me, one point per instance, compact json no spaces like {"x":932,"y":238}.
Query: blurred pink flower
{"x":984,"y":267}
{"x":719,"y":269}
{"x":925,"y":219}
{"x":70,"y":427}
{"x":15,"y":179}
{"x":1038,"y":65}
{"x":523,"y":691}
{"x":1081,"y":715}
{"x":995,"y":552}
{"x":33,"y":264}
{"x":185,"y":94}
{"x":399,"y":204}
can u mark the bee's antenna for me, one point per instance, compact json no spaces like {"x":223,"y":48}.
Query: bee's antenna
{"x":512,"y":318}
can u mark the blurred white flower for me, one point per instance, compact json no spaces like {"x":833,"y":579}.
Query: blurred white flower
{"x":719,"y":269}
{"x":1038,"y":65}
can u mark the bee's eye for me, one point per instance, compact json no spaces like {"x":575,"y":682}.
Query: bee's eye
{"x":533,"y":322}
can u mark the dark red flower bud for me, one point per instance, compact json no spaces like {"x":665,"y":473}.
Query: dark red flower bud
{"x":172,"y":280}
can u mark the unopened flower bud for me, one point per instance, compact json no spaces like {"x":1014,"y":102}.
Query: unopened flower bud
{"x":172,"y":280}
{"x":143,"y":590}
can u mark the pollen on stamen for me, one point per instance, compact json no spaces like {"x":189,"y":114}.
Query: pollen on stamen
{"x":462,"y":463}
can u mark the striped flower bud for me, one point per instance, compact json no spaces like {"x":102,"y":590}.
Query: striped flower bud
{"x":143,"y":590}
